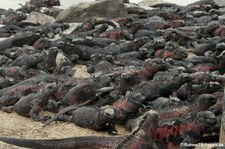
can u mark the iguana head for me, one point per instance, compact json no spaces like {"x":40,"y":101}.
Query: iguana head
{"x":108,"y":112}
{"x":206,"y":117}
{"x":51,"y":87}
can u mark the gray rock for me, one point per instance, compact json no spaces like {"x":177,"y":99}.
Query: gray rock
{"x":36,"y":17}
{"x":220,"y":2}
{"x":103,"y":8}
{"x":222,"y":10}
{"x":222,"y":16}
{"x":199,"y":13}
{"x":147,"y":3}
{"x":156,"y":19}
{"x":222,"y":19}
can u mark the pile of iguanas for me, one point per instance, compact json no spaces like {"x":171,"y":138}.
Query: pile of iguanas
{"x":157,"y":72}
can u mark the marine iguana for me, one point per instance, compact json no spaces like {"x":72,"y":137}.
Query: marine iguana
{"x":32,"y":104}
{"x":140,"y":137}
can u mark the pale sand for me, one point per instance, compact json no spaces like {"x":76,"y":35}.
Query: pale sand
{"x":13,"y":125}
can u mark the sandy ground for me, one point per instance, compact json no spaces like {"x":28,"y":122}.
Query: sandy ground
{"x":13,"y":125}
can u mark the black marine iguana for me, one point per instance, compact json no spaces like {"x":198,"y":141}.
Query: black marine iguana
{"x":141,"y":137}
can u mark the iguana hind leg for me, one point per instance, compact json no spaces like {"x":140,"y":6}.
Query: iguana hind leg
{"x":8,"y":109}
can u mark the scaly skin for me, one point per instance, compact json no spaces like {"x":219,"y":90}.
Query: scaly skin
{"x":27,"y":38}
{"x":66,"y":143}
{"x":200,"y":84}
{"x":12,"y":17}
{"x":27,"y":61}
{"x":220,"y":31}
{"x":12,"y":73}
{"x":178,"y":36}
{"x":83,"y":52}
{"x":202,"y":48}
{"x":94,"y":32}
{"x":80,"y":93}
{"x":125,"y":47}
{"x":175,"y":54}
{"x":142,"y":136}
{"x":32,"y":62}
{"x":146,"y":72}
{"x":122,"y":107}
{"x":65,"y":110}
{"x":97,"y":41}
{"x":199,"y":5}
{"x":90,"y":24}
{"x":205,"y":87}
{"x":43,"y":43}
{"x":49,"y":64}
{"x":93,"y":118}
{"x":157,"y":88}
{"x":202,"y":77}
{"x":116,"y":34}
{"x":129,"y":62}
{"x":169,"y":74}
{"x":201,"y":60}
{"x":186,"y":129}
{"x":10,"y":95}
{"x":15,"y":52}
{"x":131,"y":55}
{"x":128,"y":76}
{"x":127,"y":107}
{"x":69,"y":83}
{"x":32,"y":104}
{"x":197,"y":104}
{"x":165,"y":4}
{"x":9,"y":30}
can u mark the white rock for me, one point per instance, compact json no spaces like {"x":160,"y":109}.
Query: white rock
{"x":147,"y":3}
{"x":36,"y":17}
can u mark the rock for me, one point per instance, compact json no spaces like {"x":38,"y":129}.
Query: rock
{"x":220,"y":2}
{"x":72,"y":12}
{"x":156,"y":19}
{"x":82,"y":11}
{"x":81,"y":71}
{"x":36,"y":17}
{"x":147,"y":3}
{"x":222,"y":19}
{"x":107,"y":8}
{"x":222,"y":16}
{"x":72,"y":27}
